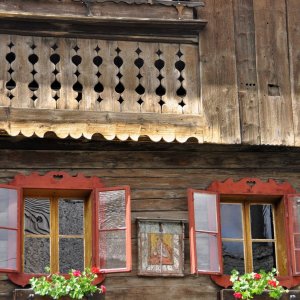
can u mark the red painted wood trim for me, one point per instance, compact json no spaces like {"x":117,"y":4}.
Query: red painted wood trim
{"x":53,"y":181}
{"x":255,"y":186}
{"x":250,"y":185}
{"x":57,"y":180}
{"x":193,"y":252}
{"x":17,"y":229}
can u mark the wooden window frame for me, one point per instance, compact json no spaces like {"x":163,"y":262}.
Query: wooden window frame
{"x":127,"y":229}
{"x":17,"y":229}
{"x":255,"y":188}
{"x":69,"y":186}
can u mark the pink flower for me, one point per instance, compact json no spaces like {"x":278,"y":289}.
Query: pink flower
{"x":257,"y":276}
{"x":103,"y":288}
{"x":76,"y":273}
{"x":238,"y":295}
{"x":95,"y":270}
{"x":272,"y":283}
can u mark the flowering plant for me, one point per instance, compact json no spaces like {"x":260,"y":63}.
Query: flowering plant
{"x":77,"y":285}
{"x":250,"y":284}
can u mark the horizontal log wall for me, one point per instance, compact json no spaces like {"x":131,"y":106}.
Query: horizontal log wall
{"x":159,"y":175}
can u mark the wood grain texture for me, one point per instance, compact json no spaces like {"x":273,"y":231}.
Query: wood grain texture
{"x":274,"y":88}
{"x":22,"y":69}
{"x":293,"y":23}
{"x":44,"y":75}
{"x":66,"y":75}
{"x":87,"y":76}
{"x":4,"y":66}
{"x":246,"y":71}
{"x":218,"y":74}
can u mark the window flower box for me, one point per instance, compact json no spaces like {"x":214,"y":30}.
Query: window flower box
{"x":24,"y":294}
{"x":227,"y":294}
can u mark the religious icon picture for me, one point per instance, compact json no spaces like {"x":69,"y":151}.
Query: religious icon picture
{"x":160,"y":244}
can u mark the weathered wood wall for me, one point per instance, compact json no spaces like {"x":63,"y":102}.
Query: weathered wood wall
{"x":249,"y":79}
{"x":159,"y":175}
{"x":250,"y":71}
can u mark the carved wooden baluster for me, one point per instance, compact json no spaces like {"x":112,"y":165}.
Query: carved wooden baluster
{"x":22,"y":72}
{"x":66,"y":74}
{"x":170,"y":78}
{"x":44,"y":75}
{"x":129,"y":79}
{"x":191,"y":82}
{"x":5,"y":67}
{"x":109,"y":77}
{"x":149,"y":77}
{"x":87,"y":76}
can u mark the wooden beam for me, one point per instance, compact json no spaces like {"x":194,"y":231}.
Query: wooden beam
{"x":87,"y":123}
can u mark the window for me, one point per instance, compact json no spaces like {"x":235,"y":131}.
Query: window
{"x":64,"y":222}
{"x":246,"y":225}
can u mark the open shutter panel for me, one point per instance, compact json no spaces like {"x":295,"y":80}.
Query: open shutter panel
{"x":9,"y":229}
{"x":294,"y":217}
{"x":205,"y":239}
{"x":114,"y":234}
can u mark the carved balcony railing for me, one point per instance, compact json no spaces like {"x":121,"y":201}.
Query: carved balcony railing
{"x":98,"y":75}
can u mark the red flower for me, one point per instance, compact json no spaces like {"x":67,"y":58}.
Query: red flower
{"x":238,"y":295}
{"x":103,"y":288}
{"x":272,"y":283}
{"x":95,"y":270}
{"x":257,"y":276}
{"x":76,"y":273}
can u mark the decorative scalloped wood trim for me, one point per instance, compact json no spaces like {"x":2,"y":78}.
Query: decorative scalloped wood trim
{"x":250,"y":185}
{"x":124,"y":126}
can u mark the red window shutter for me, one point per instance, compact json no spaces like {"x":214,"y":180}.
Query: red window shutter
{"x":114,"y":229}
{"x":205,"y":238}
{"x":9,"y":229}
{"x":294,"y":218}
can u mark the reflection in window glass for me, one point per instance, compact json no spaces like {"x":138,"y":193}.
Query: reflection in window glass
{"x":261,"y":221}
{"x":231,"y":220}
{"x":233,"y":257}
{"x":205,"y":206}
{"x":263,"y":256}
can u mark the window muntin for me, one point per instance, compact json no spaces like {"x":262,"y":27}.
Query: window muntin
{"x":248,"y":240}
{"x":55,"y":225}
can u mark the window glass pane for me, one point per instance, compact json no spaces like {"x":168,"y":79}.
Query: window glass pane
{"x":71,"y":216}
{"x":263,"y":256}
{"x":297,"y":258}
{"x":71,"y":254}
{"x":231,"y":220}
{"x":112,"y":249}
{"x":297,"y":241}
{"x":207,"y":252}
{"x":261,"y":221}
{"x":8,"y":207}
{"x":8,"y":249}
{"x":296,"y":211}
{"x":37,"y":254}
{"x":112,"y":209}
{"x":205,"y":211}
{"x":37,"y":216}
{"x":233,"y":257}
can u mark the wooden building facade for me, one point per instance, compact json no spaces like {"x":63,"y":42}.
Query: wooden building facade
{"x":172,"y":100}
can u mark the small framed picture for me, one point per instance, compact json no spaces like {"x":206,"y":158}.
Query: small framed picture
{"x":160,"y":247}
